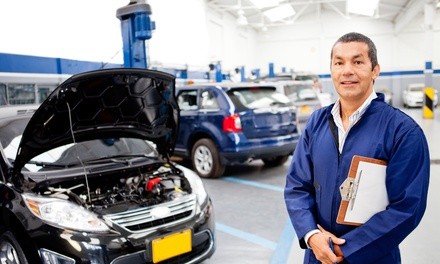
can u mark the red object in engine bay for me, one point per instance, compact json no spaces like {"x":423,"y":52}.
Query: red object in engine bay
{"x":152,"y":183}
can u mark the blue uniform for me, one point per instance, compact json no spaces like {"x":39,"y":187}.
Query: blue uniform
{"x":318,"y":169}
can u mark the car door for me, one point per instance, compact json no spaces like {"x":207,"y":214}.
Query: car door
{"x":187,"y":101}
{"x":211,"y":115}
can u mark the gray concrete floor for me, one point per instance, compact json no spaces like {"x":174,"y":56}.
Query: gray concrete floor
{"x":253,"y":225}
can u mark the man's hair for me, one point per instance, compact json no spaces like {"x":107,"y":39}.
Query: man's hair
{"x":358,"y":37}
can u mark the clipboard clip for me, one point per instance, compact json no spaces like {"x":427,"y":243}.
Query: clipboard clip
{"x":348,"y":189}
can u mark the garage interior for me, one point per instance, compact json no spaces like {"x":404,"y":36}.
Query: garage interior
{"x":251,"y":219}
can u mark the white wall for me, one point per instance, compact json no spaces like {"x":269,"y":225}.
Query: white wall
{"x":306,"y":45}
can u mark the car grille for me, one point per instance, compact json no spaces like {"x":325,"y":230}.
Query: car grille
{"x":141,"y":219}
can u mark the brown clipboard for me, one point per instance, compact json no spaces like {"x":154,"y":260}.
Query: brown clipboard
{"x":349,"y":187}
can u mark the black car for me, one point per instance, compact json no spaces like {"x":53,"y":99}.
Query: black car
{"x":87,"y":177}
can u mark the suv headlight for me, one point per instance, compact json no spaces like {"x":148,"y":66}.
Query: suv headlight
{"x":64,"y":214}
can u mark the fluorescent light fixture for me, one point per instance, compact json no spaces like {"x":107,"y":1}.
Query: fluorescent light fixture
{"x":260,"y":4}
{"x":362,"y":7}
{"x":279,"y":12}
{"x":241,"y":19}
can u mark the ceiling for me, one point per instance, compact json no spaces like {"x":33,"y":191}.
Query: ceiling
{"x":399,"y":12}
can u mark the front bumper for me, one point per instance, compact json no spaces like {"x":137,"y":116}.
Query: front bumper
{"x":113,"y":248}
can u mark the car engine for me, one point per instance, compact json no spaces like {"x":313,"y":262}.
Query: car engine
{"x":121,"y":190}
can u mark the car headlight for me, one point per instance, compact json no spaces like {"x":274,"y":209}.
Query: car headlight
{"x":64,"y":214}
{"x":196,"y":184}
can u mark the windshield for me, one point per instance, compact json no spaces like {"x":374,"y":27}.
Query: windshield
{"x":300,"y":92}
{"x":72,"y":154}
{"x":416,"y":89}
{"x":257,"y":97}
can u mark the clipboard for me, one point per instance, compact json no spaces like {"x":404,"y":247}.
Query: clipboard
{"x":364,"y":191}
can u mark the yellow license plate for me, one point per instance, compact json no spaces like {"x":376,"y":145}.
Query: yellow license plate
{"x":171,"y":245}
{"x":305,"y":109}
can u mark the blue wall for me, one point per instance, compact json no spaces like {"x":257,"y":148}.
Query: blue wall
{"x":35,"y":64}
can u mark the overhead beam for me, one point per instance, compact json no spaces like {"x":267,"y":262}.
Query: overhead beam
{"x":411,"y":10}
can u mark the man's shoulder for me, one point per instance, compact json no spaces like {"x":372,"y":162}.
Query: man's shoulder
{"x":394,"y":115}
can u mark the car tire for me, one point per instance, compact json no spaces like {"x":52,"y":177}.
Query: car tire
{"x":10,"y":249}
{"x":206,"y":159}
{"x":275,"y":161}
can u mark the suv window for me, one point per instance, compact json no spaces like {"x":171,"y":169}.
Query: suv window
{"x":256,"y":97}
{"x":187,"y":100}
{"x":208,"y":101}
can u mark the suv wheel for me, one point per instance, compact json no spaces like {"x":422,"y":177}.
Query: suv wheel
{"x":206,"y":159}
{"x":10,"y":249}
{"x":275,"y":161}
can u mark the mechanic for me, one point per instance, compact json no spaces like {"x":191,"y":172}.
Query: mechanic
{"x":358,"y":123}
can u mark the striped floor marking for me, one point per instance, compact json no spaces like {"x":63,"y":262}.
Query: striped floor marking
{"x":282,"y":247}
{"x":254,"y":184}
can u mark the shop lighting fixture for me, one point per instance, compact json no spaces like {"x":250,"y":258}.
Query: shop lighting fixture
{"x":260,"y":4}
{"x":241,"y":19}
{"x":279,"y":12}
{"x":362,"y":7}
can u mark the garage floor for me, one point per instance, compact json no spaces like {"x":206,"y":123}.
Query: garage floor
{"x":253,"y":226}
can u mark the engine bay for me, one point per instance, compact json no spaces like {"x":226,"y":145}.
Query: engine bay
{"x":120,"y":190}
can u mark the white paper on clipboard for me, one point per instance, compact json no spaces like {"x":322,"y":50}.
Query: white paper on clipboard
{"x":371,"y":195}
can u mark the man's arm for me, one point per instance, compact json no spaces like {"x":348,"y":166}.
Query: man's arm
{"x":299,"y":192}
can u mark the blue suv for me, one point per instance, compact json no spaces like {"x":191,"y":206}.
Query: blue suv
{"x":229,"y":123}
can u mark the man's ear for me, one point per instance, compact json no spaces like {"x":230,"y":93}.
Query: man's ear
{"x":376,"y":71}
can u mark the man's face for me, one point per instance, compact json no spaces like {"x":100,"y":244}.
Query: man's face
{"x":352,"y":72}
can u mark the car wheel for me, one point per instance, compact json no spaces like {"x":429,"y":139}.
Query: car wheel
{"x":275,"y":161}
{"x":206,"y":159}
{"x":10,"y":250}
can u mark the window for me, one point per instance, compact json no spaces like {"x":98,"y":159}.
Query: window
{"x":257,"y":97}
{"x":208,"y":101}
{"x":3,"y":94}
{"x":21,"y":94}
{"x":187,"y":100}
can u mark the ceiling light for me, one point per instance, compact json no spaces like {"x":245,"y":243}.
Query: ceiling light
{"x":362,"y":7}
{"x":279,"y":12}
{"x":241,"y":19}
{"x":260,"y":4}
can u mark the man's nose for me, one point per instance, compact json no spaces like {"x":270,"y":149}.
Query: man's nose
{"x":347,"y":68}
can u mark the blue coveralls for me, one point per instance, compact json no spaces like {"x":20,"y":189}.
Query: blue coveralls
{"x":318,"y":169}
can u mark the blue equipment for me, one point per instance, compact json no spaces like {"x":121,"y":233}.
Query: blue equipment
{"x":136,"y":27}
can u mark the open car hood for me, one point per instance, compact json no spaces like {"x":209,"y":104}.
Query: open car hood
{"x":100,"y":104}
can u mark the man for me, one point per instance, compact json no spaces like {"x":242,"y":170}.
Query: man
{"x":358,"y":123}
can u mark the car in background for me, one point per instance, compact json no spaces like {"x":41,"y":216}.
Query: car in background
{"x":386,"y":92}
{"x":87,"y":177}
{"x":293,"y":76}
{"x":413,"y":95}
{"x":230,"y":123}
{"x":303,"y":95}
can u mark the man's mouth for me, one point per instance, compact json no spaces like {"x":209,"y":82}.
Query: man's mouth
{"x":348,"y":82}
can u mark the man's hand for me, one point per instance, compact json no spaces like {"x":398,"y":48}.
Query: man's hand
{"x":321,"y":248}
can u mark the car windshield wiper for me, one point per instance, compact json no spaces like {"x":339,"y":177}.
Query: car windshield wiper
{"x":123,"y":159}
{"x":44,"y":164}
{"x":277,"y":103}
